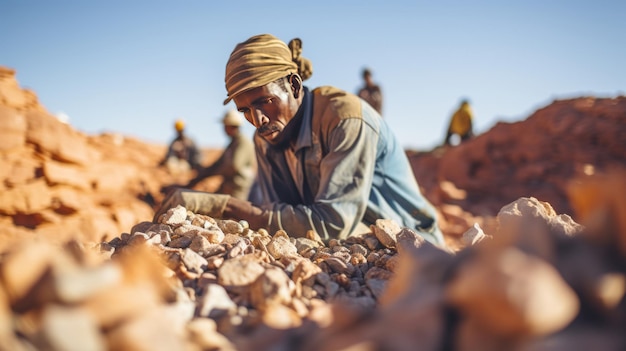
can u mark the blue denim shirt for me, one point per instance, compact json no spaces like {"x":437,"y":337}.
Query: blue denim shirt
{"x":350,"y":169}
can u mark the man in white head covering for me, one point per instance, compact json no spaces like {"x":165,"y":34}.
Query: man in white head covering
{"x":237,"y":164}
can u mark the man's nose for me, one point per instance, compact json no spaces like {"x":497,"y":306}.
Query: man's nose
{"x":258,"y":118}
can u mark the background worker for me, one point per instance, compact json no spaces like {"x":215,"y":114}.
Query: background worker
{"x":461,"y":124}
{"x":237,"y":163}
{"x":305,"y":67}
{"x":371,"y":92}
{"x":182,"y":154}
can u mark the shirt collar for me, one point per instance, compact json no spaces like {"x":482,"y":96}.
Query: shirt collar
{"x":304,"y":135}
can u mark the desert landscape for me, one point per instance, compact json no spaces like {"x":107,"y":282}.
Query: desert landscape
{"x":533,"y":213}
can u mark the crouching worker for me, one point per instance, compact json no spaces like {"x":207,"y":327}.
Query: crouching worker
{"x":182,"y":154}
{"x":236,"y":165}
{"x":327,"y":161}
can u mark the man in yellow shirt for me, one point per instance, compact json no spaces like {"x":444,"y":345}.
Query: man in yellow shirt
{"x":461,"y":124}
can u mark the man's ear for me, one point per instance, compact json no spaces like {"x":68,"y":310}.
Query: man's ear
{"x":295,"y":82}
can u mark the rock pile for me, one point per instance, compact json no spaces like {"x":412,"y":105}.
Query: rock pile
{"x":12,"y":96}
{"x":192,"y":282}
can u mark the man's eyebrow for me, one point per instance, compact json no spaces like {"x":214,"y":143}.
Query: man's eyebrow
{"x":260,"y":99}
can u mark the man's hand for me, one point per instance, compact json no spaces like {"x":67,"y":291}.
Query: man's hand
{"x":199,"y":202}
{"x":241,"y":209}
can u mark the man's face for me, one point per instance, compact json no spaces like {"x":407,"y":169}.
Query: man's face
{"x":230,"y":130}
{"x":269,"y":108}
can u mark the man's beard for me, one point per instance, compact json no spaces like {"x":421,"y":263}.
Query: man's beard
{"x":268,"y":129}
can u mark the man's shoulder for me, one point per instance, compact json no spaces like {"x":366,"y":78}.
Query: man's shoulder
{"x":188,"y":141}
{"x":333,"y":102}
{"x":331,"y":91}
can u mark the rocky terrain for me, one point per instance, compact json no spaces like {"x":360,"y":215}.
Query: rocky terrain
{"x":60,"y":183}
{"x":533,"y":213}
{"x":540,"y":156}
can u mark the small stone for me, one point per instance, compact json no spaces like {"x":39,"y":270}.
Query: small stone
{"x":175,"y":216}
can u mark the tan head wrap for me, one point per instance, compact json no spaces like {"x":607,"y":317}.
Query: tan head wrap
{"x":256,"y":62}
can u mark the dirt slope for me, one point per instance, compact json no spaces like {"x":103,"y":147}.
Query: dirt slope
{"x":59,"y":182}
{"x":539,"y":157}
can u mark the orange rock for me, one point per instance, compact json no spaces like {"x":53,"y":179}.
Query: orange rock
{"x":13,"y":131}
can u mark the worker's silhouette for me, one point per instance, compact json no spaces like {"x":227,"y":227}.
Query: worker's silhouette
{"x":461,"y":124}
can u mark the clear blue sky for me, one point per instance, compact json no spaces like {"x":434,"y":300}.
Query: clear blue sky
{"x":135,"y":66}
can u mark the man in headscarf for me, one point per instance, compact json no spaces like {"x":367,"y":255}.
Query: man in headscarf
{"x":326,"y":159}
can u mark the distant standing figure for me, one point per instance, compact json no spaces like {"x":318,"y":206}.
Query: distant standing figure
{"x":461,"y":123}
{"x":237,"y":164}
{"x":305,"y":67}
{"x":371,"y":92}
{"x":182,"y":154}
